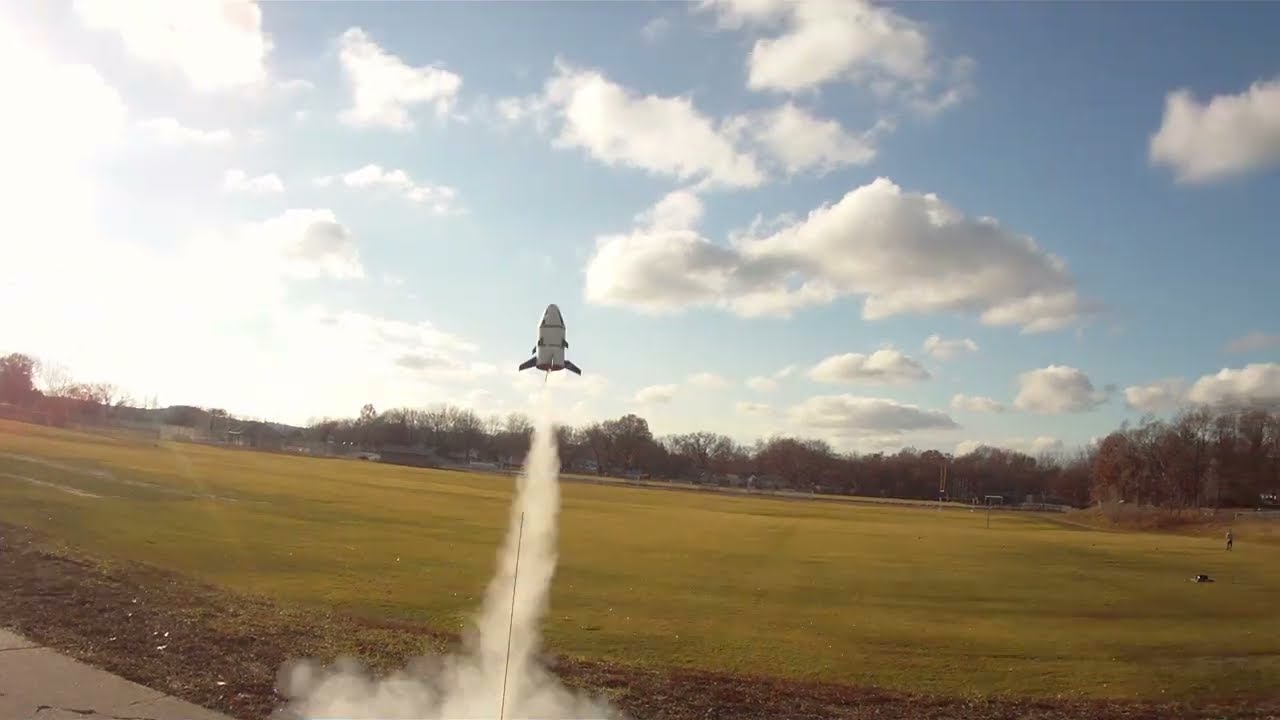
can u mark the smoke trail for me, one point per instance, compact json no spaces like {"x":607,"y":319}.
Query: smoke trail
{"x":471,"y":685}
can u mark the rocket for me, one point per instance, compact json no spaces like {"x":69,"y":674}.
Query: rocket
{"x":548,"y":354}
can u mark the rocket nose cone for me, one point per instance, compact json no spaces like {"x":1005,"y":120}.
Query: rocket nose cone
{"x":552,"y":316}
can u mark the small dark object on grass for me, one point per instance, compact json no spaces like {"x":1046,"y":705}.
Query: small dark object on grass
{"x":1202,"y":578}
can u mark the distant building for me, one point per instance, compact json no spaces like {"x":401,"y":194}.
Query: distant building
{"x":764,"y":482}
{"x":256,"y":435}
{"x":409,"y":455}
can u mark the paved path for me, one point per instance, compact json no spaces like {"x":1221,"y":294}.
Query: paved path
{"x":37,"y":683}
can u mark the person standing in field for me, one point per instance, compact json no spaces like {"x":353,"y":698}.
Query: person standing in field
{"x":1229,"y":538}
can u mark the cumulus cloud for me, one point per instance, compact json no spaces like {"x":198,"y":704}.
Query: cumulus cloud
{"x":215,"y":44}
{"x":58,"y":118}
{"x":762,"y":383}
{"x":168,"y":131}
{"x":1254,"y":384}
{"x":236,"y":180}
{"x":884,"y":366}
{"x":55,"y":111}
{"x":656,"y":394}
{"x":1252,"y":342}
{"x":419,"y":348}
{"x":851,"y":415}
{"x":656,"y":28}
{"x":1157,"y":396}
{"x":904,"y":252}
{"x":1057,"y":389}
{"x":1029,"y":446}
{"x":299,"y":243}
{"x":812,"y":43}
{"x":677,"y":210}
{"x":439,"y":198}
{"x":1230,"y":135}
{"x":941,"y":349}
{"x":707,"y":380}
{"x":620,"y":127}
{"x":670,"y":136}
{"x":385,"y":89}
{"x":256,"y":330}
{"x":976,"y":403}
{"x":797,"y":141}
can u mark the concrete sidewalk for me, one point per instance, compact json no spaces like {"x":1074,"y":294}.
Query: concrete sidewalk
{"x":37,"y":683}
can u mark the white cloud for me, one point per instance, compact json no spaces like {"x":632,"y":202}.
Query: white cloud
{"x":512,"y":109}
{"x":905,"y":252}
{"x":677,"y":210}
{"x":169,"y":131}
{"x":58,"y":118}
{"x":617,"y":126}
{"x":886,"y":366}
{"x":947,"y":349}
{"x":976,"y":403}
{"x":1057,"y":389}
{"x":299,"y":243}
{"x":1029,"y":446}
{"x":418,"y":347}
{"x":824,"y":41}
{"x":440,"y":198}
{"x":752,"y":408}
{"x":1228,"y":135}
{"x":235,"y":180}
{"x":296,"y":85}
{"x":656,"y":394}
{"x":1253,"y":341}
{"x":656,"y":28}
{"x":816,"y":42}
{"x":254,"y":351}
{"x":850,"y":415}
{"x":707,"y":380}
{"x":1159,"y":395}
{"x":1255,"y":383}
{"x":216,"y":44}
{"x":54,"y":111}
{"x":761,"y":383}
{"x":798,"y":141}
{"x":384,"y":89}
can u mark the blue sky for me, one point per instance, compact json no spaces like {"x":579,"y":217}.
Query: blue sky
{"x":430,"y":175}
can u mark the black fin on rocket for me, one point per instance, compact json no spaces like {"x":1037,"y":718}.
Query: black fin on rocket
{"x":528,"y":363}
{"x":572,"y":368}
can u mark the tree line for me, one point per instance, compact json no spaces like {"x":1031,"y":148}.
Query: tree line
{"x":1226,"y":456}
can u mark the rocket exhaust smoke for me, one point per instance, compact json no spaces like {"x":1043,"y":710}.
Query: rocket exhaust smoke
{"x":484,"y":680}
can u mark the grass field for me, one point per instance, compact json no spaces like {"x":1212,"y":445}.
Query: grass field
{"x":892,"y":597}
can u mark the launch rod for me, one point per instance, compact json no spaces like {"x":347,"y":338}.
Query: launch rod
{"x":515,"y":577}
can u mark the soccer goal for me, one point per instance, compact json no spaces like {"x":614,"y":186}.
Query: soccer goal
{"x":989,"y":501}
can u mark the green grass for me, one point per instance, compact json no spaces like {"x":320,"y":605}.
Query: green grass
{"x":894,"y":597}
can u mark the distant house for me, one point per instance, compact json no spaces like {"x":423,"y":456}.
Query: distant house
{"x":257,"y":435}
{"x":764,"y":482}
{"x":412,"y":456}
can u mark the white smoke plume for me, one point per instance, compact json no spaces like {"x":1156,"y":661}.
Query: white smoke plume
{"x":470,"y":685}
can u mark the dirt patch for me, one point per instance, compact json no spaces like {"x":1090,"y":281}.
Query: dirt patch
{"x":224,"y":651}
